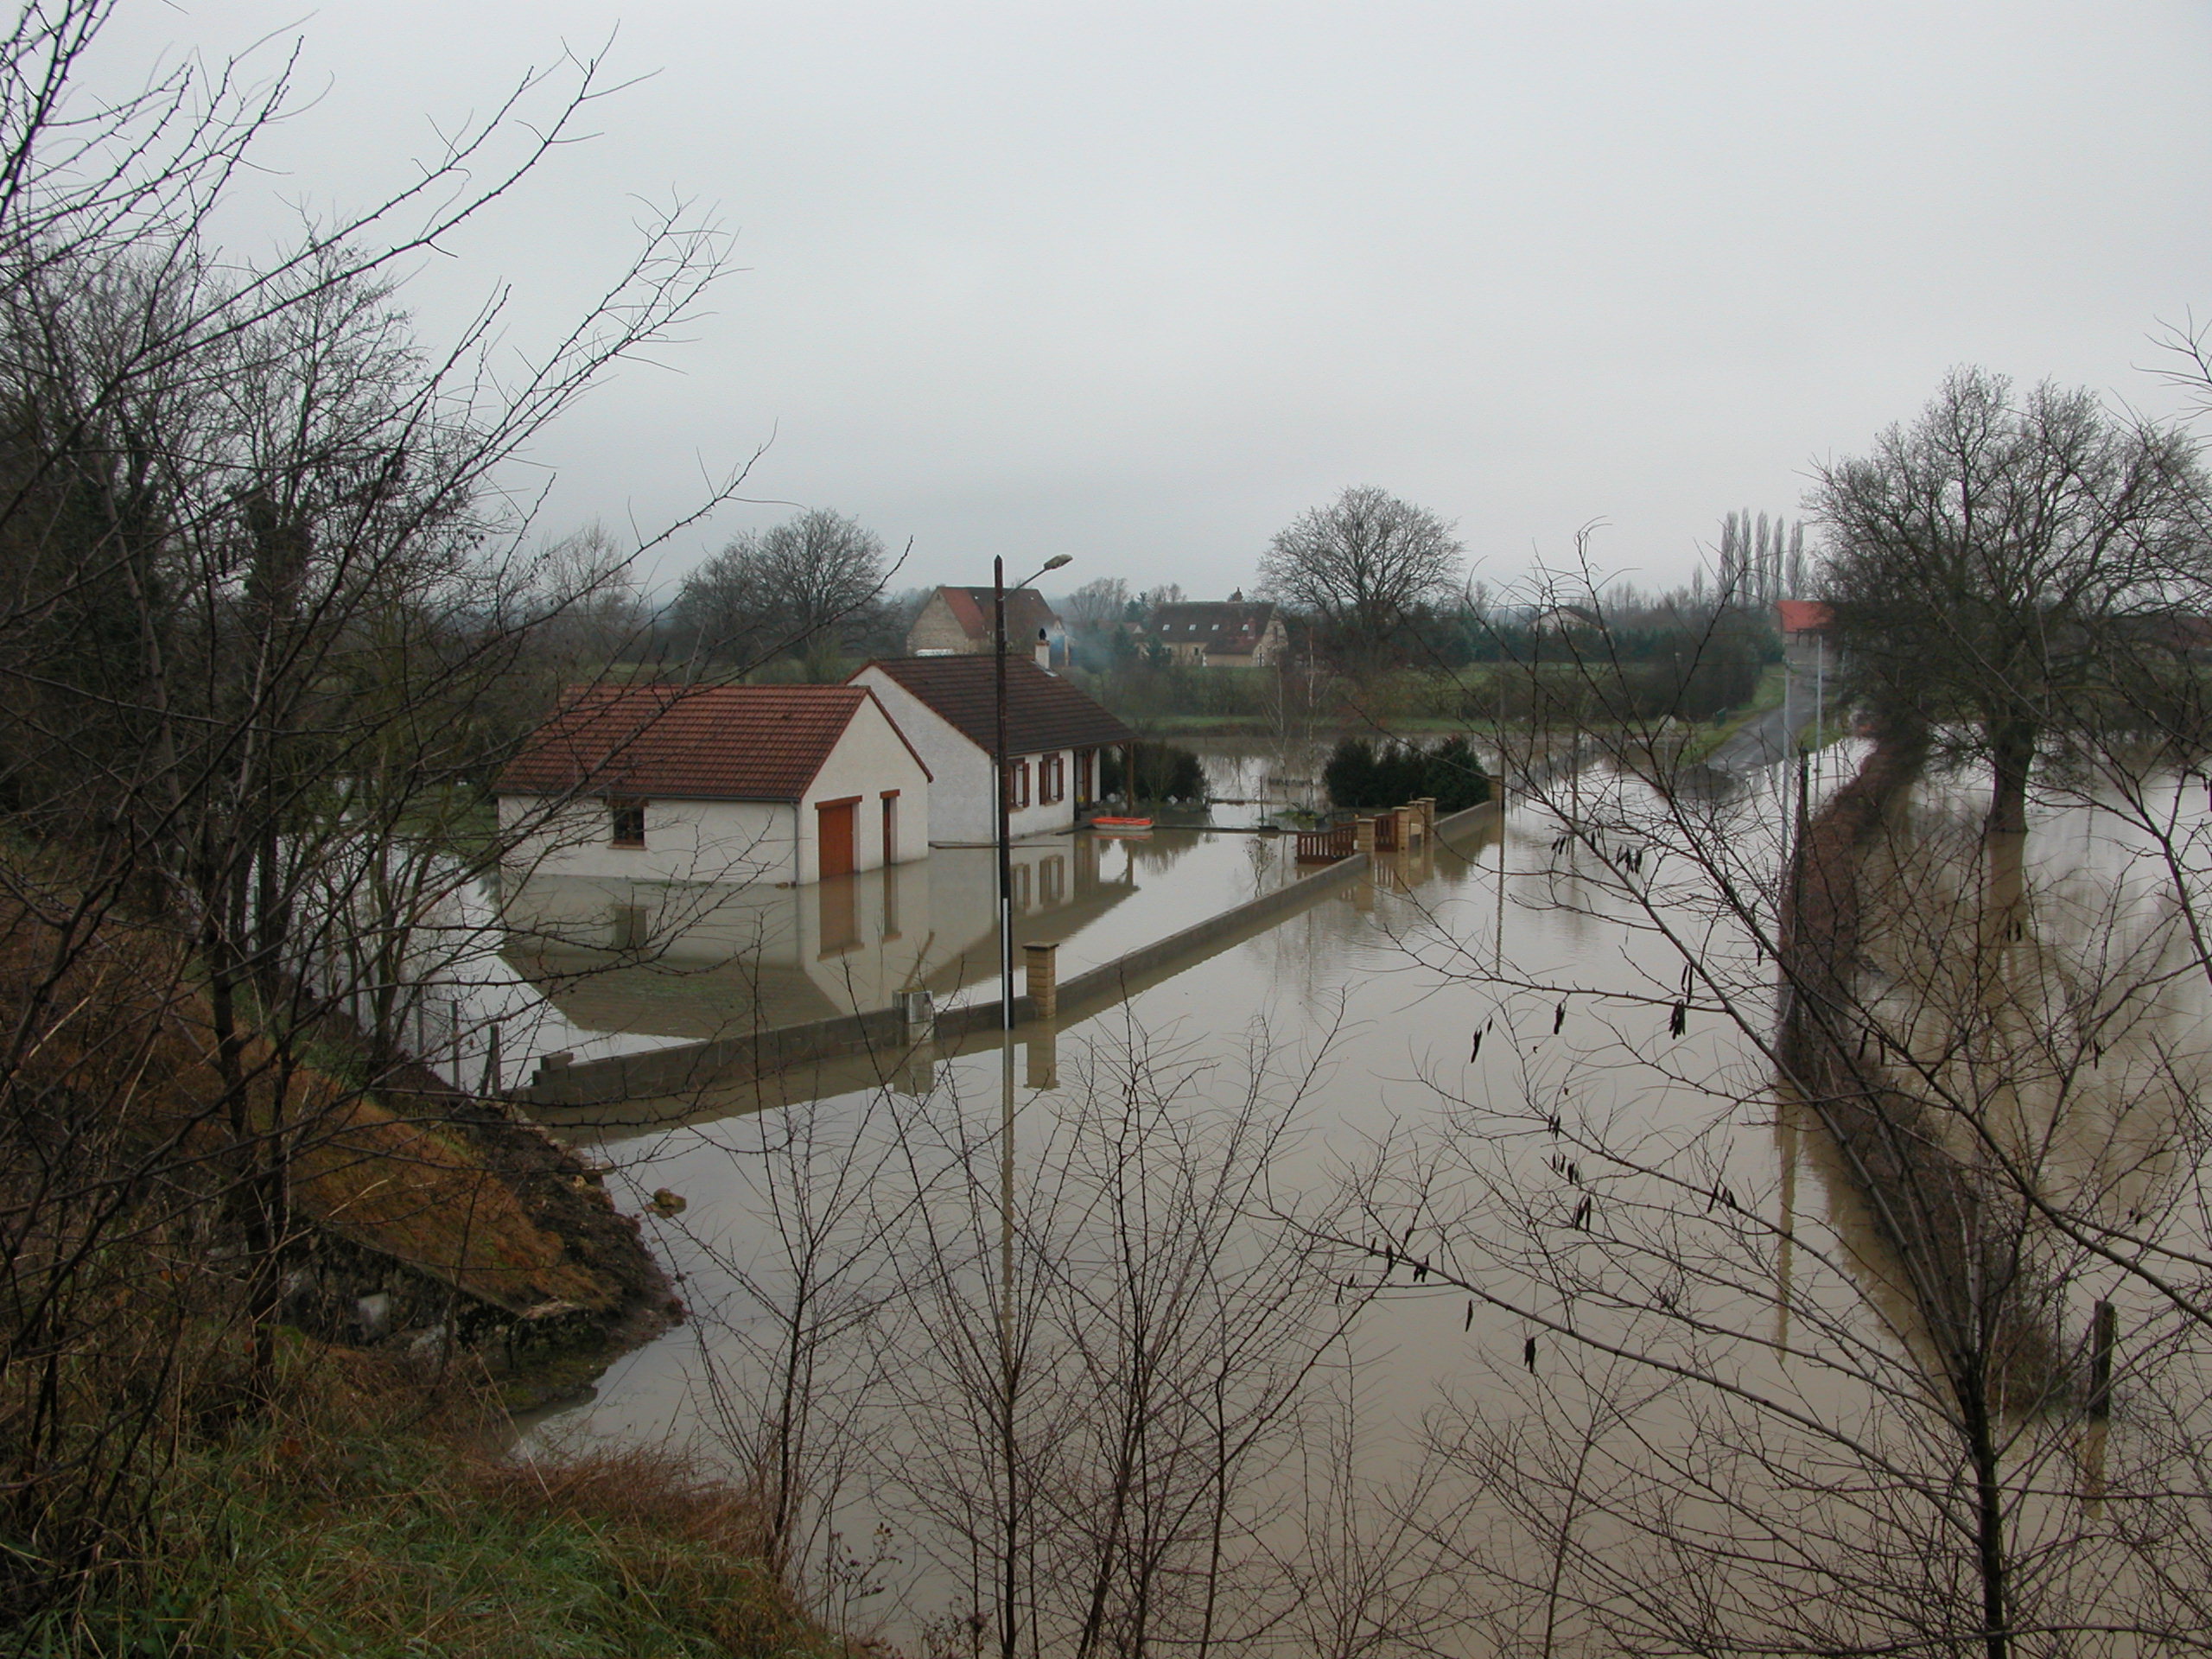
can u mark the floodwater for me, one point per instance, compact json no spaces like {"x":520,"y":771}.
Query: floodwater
{"x":1450,"y":1157}
{"x":691,"y":961}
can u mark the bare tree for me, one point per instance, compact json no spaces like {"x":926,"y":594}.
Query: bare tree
{"x":1097,"y":605}
{"x":1362,"y":566}
{"x":1745,"y":1425}
{"x":812,"y":586}
{"x":1992,"y":560}
{"x":1168,"y":1330}
{"x":265,"y":568}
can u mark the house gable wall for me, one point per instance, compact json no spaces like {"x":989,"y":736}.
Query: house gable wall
{"x":962,"y":810}
{"x":870,"y":758}
{"x":936,"y":629}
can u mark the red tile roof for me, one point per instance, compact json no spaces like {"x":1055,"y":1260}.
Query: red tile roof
{"x":1042,"y":711}
{"x":695,"y":742}
{"x":1804,"y":615}
{"x":1025,"y":614}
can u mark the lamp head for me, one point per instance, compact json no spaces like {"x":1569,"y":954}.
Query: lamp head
{"x":1057,"y":561}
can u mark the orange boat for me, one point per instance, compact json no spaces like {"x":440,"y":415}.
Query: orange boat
{"x":1121,"y":823}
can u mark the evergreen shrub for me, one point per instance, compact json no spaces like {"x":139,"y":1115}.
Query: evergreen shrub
{"x":1362,"y":776}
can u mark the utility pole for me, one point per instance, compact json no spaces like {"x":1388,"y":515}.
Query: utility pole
{"x":1009,"y":1586}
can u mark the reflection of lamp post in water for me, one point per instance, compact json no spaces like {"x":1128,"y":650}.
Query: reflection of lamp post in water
{"x":1010,"y":1580}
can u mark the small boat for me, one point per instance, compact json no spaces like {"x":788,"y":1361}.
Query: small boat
{"x":1121,"y":825}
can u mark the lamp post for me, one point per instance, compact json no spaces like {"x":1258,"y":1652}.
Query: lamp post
{"x":1009,"y":1587}
{"x":999,"y":591}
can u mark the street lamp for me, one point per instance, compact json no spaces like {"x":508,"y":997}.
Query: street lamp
{"x":1009,"y":1587}
{"x":999,"y":591}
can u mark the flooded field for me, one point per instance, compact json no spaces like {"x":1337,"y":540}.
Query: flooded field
{"x":1441,"y":1269}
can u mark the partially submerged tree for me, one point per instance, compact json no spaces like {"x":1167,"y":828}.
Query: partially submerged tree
{"x":1999,"y":560}
{"x":1362,"y":775}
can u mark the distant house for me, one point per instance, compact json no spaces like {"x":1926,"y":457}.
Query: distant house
{"x":787,"y":783}
{"x":1807,"y":625}
{"x":1802,"y":617}
{"x":1229,"y":633}
{"x":957,"y":622}
{"x":947,"y":708}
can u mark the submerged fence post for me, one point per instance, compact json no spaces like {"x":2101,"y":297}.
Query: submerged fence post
{"x":2104,"y":1334}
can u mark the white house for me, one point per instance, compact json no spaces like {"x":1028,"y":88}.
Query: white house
{"x":947,"y":708}
{"x":781,"y":783}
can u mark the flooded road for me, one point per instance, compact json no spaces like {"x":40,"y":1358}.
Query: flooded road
{"x":1421,"y":1270}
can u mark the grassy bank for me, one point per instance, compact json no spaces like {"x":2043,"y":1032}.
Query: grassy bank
{"x":242,"y":1281}
{"x":367,"y":1513}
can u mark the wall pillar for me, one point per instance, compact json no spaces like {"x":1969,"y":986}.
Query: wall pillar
{"x":1041,"y":963}
{"x":1401,"y":819}
{"x":1362,"y":834}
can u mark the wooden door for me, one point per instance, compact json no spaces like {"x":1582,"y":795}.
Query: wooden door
{"x":834,"y":838}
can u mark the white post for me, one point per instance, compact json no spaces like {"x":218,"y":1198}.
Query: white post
{"x":1788,"y":683}
{"x":1820,"y":691}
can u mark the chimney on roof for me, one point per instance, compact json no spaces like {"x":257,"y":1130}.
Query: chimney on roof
{"x":1044,"y":650}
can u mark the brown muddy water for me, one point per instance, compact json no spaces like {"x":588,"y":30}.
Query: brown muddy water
{"x":1519,"y":1310}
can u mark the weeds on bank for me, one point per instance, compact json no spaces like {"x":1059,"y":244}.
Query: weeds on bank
{"x":368,"y":1515}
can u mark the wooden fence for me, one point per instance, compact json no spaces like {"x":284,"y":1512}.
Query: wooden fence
{"x":1326,"y":846}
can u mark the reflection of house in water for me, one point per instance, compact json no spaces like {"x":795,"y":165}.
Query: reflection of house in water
{"x":698,"y":961}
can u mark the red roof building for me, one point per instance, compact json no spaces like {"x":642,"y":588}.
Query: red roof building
{"x":1804,"y":616}
{"x":789,"y":783}
{"x":957,"y":622}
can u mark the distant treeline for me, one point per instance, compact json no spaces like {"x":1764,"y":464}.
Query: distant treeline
{"x":1623,"y":675}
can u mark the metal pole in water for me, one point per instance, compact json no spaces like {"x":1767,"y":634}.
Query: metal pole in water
{"x":1500,"y":970}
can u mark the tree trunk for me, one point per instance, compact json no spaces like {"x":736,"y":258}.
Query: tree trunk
{"x":1989,"y":1528}
{"x":2012,"y":753}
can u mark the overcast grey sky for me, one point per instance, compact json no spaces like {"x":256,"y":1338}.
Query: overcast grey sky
{"x":1140,"y":282}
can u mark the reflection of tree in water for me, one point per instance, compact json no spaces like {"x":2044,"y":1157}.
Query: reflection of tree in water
{"x":2056,"y":1013}
{"x":1151,"y":854}
{"x":1728,"y":1425}
{"x":1287,"y":770}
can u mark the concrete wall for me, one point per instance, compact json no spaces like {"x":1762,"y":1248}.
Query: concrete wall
{"x":961,"y":806}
